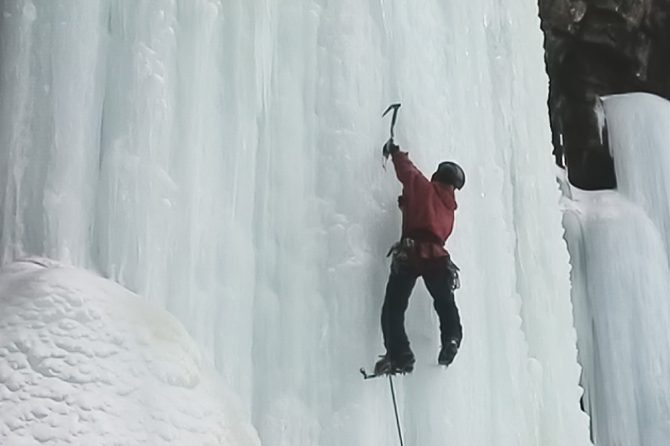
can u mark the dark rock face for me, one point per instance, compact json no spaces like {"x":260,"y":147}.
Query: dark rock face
{"x":595,"y":48}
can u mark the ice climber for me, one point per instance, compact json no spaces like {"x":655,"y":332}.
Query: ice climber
{"x":427,"y":221}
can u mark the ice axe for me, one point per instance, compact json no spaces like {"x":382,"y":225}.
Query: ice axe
{"x":394,"y":107}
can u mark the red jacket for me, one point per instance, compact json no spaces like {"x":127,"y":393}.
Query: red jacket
{"x":427,"y":208}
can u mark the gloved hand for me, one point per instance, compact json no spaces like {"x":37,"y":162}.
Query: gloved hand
{"x":389,"y":148}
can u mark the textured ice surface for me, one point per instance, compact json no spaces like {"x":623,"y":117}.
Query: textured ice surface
{"x":639,"y":131}
{"x":618,"y":243}
{"x":84,"y":361}
{"x":222,"y":158}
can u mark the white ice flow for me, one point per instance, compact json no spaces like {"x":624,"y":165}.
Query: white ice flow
{"x":618,"y":242}
{"x":222,"y":159}
{"x":83,"y":361}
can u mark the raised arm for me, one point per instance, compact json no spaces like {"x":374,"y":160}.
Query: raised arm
{"x":405,"y":169}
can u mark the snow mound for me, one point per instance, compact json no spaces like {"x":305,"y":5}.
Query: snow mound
{"x":85,"y":361}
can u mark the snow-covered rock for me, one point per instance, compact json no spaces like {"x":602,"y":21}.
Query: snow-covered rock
{"x":85,"y":361}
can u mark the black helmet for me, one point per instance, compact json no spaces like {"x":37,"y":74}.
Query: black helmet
{"x":449,"y":173}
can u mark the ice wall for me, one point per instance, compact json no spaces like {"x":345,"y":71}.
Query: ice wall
{"x":639,"y":129}
{"x":222,"y":158}
{"x":619,"y":250}
{"x":620,"y":283}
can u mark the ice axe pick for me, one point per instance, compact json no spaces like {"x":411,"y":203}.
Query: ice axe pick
{"x":395,"y":108}
{"x":386,"y":151}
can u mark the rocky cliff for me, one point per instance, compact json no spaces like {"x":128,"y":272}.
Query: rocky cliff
{"x":595,"y":48}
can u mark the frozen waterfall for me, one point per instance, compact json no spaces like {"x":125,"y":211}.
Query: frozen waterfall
{"x":222,"y":158}
{"x":621,"y":282}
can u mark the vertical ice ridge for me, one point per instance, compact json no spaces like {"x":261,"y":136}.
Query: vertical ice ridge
{"x":620,"y":297}
{"x":71,"y":186}
{"x":619,"y":250}
{"x":16,"y":36}
{"x":640,"y":157}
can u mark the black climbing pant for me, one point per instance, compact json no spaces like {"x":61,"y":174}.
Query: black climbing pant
{"x":439,"y":280}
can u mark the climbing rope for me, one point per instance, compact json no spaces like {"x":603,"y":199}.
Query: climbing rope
{"x":395,"y":408}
